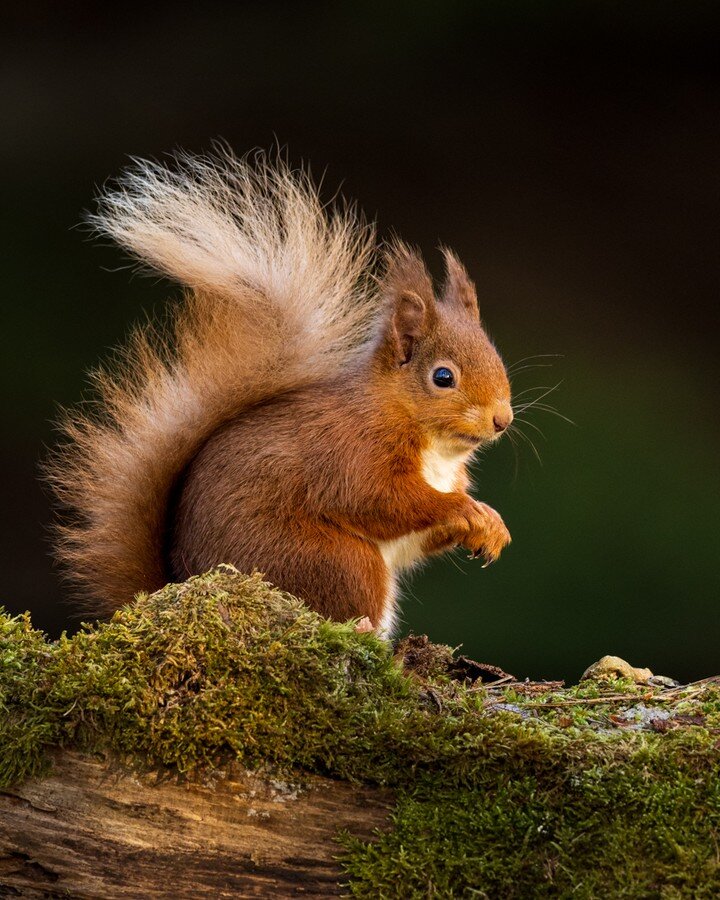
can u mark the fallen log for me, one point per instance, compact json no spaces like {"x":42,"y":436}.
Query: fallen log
{"x":218,"y":738}
{"x":95,"y":828}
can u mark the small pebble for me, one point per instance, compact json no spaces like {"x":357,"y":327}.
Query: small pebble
{"x":614,"y":667}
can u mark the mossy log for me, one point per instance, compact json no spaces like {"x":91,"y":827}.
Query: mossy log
{"x":95,"y":828}
{"x":129,"y":753}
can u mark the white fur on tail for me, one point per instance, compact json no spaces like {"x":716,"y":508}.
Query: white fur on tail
{"x":222,"y":225}
{"x":280,"y":294}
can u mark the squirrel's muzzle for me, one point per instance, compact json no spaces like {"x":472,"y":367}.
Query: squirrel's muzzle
{"x":502,"y":417}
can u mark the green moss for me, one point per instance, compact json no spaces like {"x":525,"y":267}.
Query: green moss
{"x":503,"y":791}
{"x":27,"y":726}
{"x":539,"y":837}
{"x":629,"y":817}
{"x":226,"y":665}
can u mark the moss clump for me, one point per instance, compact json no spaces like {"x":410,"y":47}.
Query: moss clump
{"x":225,"y":665}
{"x":27,"y":726}
{"x":508,"y":790}
{"x":627,"y":826}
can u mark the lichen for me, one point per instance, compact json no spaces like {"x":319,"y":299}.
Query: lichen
{"x":503,"y":790}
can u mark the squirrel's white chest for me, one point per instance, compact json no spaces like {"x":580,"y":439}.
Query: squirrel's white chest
{"x":440,"y":468}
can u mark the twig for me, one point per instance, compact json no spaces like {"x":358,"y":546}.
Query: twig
{"x":592,"y":701}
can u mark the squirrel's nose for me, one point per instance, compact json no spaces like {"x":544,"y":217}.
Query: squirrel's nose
{"x":501,"y":420}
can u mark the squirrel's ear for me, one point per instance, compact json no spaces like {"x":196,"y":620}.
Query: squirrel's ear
{"x":408,"y":289}
{"x":408,"y":325}
{"x":458,"y":290}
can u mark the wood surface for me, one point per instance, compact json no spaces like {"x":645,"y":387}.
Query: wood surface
{"x":93,"y":828}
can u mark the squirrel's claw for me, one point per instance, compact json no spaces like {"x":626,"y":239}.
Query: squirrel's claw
{"x":489,"y":559}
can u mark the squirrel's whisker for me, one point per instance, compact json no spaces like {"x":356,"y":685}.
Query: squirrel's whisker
{"x":531,"y":366}
{"x":542,"y":387}
{"x":513,"y":443}
{"x":551,"y":409}
{"x":518,"y":362}
{"x":534,"y":426}
{"x":537,"y":400}
{"x":529,"y":441}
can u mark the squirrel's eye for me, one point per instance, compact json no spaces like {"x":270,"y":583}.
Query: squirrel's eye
{"x":443,"y":377}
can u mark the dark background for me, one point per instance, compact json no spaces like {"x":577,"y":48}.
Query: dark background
{"x":568,"y":152}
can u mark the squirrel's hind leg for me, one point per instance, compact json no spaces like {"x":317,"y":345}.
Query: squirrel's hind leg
{"x":341,"y":576}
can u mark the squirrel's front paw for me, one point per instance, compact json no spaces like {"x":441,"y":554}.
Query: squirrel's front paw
{"x":487,"y":535}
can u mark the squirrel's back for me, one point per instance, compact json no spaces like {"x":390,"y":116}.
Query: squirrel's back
{"x":279,"y":293}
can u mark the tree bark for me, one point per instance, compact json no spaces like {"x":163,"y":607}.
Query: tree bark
{"x":93,"y":828}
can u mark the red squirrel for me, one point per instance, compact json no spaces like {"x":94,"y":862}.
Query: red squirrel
{"x":309,"y":412}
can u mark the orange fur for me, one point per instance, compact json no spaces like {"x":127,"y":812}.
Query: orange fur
{"x":289,"y":422}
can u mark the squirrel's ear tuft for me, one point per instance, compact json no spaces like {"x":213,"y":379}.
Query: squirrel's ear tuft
{"x":458,"y":290}
{"x":411,"y":303}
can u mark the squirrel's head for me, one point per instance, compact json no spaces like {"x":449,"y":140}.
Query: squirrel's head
{"x":436,"y":356}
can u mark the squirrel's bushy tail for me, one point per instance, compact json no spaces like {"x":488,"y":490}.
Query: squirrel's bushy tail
{"x":280,"y":293}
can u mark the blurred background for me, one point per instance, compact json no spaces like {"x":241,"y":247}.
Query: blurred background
{"x":569,"y":153}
